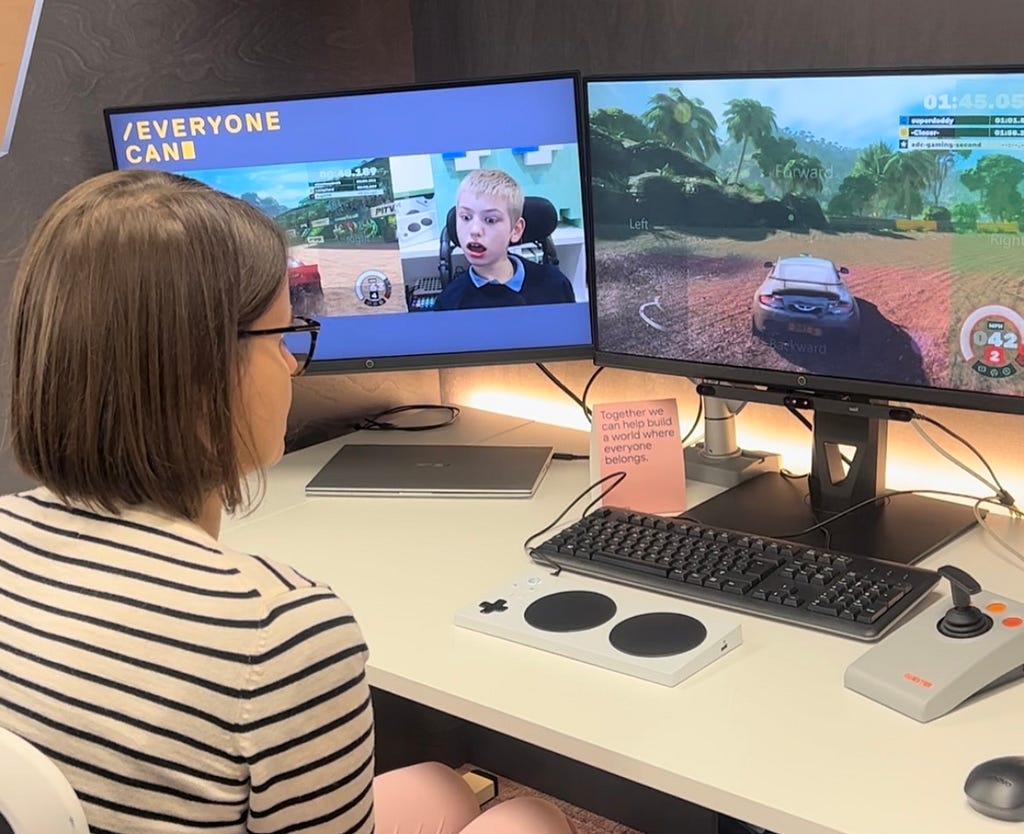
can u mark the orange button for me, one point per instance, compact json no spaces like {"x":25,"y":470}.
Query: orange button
{"x":1012,"y":622}
{"x":995,"y":607}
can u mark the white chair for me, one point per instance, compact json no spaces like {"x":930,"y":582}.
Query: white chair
{"x":35,"y":797}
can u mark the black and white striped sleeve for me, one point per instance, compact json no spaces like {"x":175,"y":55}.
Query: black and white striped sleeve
{"x":306,"y":721}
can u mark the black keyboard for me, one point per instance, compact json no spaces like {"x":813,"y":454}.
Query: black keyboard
{"x":854,"y":596}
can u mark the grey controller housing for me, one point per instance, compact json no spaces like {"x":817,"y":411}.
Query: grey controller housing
{"x":924,"y":674}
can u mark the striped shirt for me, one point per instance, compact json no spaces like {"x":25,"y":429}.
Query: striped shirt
{"x":180,"y":686}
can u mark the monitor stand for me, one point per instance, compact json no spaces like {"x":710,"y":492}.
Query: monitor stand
{"x":718,"y":459}
{"x":899,"y":528}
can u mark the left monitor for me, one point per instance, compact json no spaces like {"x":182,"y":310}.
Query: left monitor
{"x":364,"y":182}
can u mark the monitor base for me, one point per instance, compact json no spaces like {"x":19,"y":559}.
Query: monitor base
{"x":903,"y":529}
{"x":728,"y":471}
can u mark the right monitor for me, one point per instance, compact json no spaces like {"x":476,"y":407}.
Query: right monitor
{"x":854,"y":235}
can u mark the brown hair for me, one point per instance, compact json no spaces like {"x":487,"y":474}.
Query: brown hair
{"x":124,"y":325}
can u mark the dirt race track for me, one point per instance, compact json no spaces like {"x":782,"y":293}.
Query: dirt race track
{"x":339,"y":269}
{"x":909,"y":289}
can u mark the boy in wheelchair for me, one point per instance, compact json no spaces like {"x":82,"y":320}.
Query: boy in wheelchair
{"x":489,"y":218}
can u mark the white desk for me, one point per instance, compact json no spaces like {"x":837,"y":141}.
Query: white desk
{"x":767,"y":734}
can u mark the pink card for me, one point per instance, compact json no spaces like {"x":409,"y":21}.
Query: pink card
{"x":640,"y":439}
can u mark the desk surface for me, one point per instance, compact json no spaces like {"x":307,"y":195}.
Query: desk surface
{"x":767,"y":734}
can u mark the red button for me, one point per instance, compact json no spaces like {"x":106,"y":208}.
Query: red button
{"x":1012,"y":622}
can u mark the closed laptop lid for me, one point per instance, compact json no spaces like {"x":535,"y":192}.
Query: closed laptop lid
{"x":432,"y":470}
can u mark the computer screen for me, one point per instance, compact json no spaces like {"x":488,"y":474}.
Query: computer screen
{"x":840,"y":240}
{"x":363,"y":184}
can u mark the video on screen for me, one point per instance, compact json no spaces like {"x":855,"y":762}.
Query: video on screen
{"x":363,"y":184}
{"x":366,"y":234}
{"x":867,"y":227}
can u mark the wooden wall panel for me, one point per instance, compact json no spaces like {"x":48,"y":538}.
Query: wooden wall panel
{"x":17,"y":34}
{"x":90,"y":55}
{"x":494,"y":37}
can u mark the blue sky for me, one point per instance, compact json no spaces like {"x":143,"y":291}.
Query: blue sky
{"x":285,"y":183}
{"x":852,"y":111}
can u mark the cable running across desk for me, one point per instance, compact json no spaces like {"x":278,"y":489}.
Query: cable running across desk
{"x":853,"y":596}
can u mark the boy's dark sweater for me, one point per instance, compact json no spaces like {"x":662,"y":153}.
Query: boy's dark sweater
{"x":542,"y":284}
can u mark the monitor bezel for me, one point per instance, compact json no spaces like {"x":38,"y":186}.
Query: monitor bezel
{"x":782,"y":381}
{"x":426,"y":361}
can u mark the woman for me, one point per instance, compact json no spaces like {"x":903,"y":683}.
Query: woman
{"x":179,"y":685}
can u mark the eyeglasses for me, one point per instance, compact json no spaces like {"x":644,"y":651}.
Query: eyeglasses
{"x":299,"y":339}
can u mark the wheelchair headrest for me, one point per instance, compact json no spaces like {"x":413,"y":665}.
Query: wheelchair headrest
{"x":538,"y":212}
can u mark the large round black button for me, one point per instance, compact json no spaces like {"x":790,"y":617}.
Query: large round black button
{"x":659,"y":634}
{"x":570,"y":611}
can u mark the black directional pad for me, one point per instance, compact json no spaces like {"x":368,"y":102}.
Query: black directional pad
{"x":490,"y":607}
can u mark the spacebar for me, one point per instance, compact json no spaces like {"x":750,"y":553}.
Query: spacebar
{"x":637,"y":565}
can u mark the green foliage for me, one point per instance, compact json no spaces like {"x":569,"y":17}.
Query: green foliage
{"x":654,"y":156}
{"x":772,"y":156}
{"x":855,"y":193}
{"x":997,"y":178}
{"x":620,"y":124}
{"x":904,"y":177}
{"x":942,"y":162}
{"x":940,"y":214}
{"x":683,"y":123}
{"x":607,"y":154}
{"x":747,"y":120}
{"x":872,"y":160}
{"x":965,"y":216}
{"x":801,"y":174}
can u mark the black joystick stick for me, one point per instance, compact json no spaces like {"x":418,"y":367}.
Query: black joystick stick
{"x":963,"y":619}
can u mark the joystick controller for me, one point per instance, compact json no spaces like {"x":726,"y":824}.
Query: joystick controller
{"x":963,"y":620}
{"x":946,"y":653}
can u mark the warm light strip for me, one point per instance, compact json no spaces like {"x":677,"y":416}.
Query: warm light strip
{"x":916,"y":468}
{"x":565,"y":414}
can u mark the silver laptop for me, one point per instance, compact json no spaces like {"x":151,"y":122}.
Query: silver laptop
{"x":433,"y":471}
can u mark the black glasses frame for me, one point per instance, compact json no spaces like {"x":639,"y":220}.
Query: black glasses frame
{"x":310,"y":326}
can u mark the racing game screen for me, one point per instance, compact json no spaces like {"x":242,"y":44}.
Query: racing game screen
{"x":865,"y":227}
{"x":362,"y":183}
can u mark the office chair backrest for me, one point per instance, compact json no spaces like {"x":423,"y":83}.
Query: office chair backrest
{"x":541,"y":220}
{"x":35,"y":797}
{"x":538,"y":212}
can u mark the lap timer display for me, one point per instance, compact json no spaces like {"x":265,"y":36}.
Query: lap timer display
{"x":992,"y":340}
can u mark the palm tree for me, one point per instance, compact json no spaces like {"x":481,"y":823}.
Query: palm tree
{"x":942,"y":163}
{"x":904,"y":177}
{"x":747,"y":119}
{"x":871,"y":163}
{"x":683,"y":123}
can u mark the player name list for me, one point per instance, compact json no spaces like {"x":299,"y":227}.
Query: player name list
{"x":962,"y":132}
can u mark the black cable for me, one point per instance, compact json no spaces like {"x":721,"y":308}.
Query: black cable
{"x":619,"y":476}
{"x":822,"y":525}
{"x":377,"y":423}
{"x":696,"y":420}
{"x":810,"y":428}
{"x":563,"y":388}
{"x":1002,"y":495}
{"x":586,"y":390}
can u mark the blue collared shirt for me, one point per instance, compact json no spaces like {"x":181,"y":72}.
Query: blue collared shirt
{"x":515,"y":283}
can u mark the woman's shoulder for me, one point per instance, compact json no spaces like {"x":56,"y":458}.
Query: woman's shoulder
{"x":148,"y":543}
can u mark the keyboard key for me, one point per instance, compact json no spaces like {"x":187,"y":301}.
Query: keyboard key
{"x":807,"y":586}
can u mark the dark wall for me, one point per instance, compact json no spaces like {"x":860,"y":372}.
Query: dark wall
{"x":494,"y":37}
{"x":90,"y":55}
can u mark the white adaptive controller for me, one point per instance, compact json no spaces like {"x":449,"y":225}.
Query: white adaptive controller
{"x":944,"y":655}
{"x":640,"y":633}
